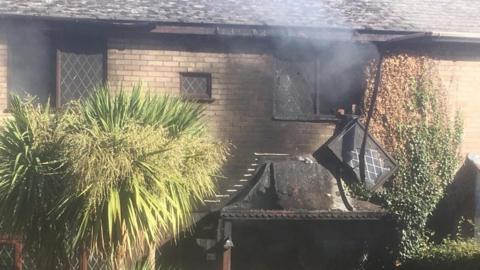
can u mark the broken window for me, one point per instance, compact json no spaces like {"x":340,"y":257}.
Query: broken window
{"x":312,"y":82}
{"x":46,"y":67}
{"x":31,"y":65}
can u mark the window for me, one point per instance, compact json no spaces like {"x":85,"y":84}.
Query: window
{"x":197,"y":86}
{"x":80,"y":68}
{"x":313,"y":82}
{"x":61,"y":70}
{"x":31,"y":65}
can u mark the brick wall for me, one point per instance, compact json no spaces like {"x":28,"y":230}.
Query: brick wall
{"x":3,"y":72}
{"x":241,"y":88}
{"x":460,"y":70}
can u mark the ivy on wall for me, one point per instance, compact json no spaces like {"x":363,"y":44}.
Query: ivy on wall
{"x":413,"y":122}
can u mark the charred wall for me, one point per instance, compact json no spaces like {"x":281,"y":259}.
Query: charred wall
{"x":242,"y":81}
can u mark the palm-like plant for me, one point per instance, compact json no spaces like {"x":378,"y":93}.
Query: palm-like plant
{"x":139,"y":163}
{"x":129,"y":170}
{"x":31,"y":178}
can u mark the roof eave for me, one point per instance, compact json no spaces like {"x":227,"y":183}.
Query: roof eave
{"x":261,"y":31}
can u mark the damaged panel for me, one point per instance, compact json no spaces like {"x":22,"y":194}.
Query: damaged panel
{"x":346,"y":147}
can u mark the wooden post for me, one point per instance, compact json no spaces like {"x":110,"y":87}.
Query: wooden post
{"x":83,"y":265}
{"x":228,"y":245}
{"x":227,"y":259}
{"x":18,"y":255}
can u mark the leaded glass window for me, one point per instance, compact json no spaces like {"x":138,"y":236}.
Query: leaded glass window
{"x":80,"y":68}
{"x":196,"y":85}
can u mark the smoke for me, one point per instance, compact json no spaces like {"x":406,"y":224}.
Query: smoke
{"x":318,"y":65}
{"x":319,"y":75}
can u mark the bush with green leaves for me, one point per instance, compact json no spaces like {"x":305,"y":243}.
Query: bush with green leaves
{"x":460,"y":254}
{"x":114,"y":174}
{"x":32,"y":179}
{"x":412,"y":121}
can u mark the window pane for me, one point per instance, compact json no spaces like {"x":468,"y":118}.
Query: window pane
{"x":313,"y":82}
{"x":195,"y":85}
{"x":81,"y":70}
{"x":294,"y":88}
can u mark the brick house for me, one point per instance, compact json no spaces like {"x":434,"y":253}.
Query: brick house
{"x":241,"y":58}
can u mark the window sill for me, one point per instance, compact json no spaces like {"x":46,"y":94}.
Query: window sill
{"x":322,"y":118}
{"x":200,"y":100}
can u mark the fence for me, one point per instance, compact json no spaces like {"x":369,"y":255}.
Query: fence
{"x":13,"y":258}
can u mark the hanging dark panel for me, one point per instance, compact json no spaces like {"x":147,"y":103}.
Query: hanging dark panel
{"x":343,"y":151}
{"x":80,"y":68}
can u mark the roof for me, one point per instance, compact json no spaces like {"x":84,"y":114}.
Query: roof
{"x":293,"y":189}
{"x":389,"y":15}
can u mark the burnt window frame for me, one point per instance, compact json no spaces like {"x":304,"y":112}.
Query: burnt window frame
{"x":298,"y":51}
{"x":316,"y":114}
{"x":207,"y":76}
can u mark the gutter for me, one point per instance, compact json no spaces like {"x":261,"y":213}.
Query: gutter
{"x":460,"y":37}
{"x":316,"y":33}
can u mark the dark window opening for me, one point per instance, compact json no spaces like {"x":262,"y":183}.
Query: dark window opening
{"x":31,"y":65}
{"x":48,"y":68}
{"x":312,"y":82}
{"x":196,"y":86}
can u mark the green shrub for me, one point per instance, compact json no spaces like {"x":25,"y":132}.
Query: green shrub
{"x":462,"y":254}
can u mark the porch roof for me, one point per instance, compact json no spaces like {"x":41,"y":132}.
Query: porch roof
{"x":302,"y":215}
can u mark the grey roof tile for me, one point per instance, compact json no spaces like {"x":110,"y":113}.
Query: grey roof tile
{"x":402,"y":15}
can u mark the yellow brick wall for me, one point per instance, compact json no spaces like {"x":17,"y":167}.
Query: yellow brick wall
{"x":241,"y":88}
{"x":460,"y":71}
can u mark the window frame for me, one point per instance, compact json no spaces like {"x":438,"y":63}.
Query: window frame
{"x":316,"y":115}
{"x":64,"y":43}
{"x":207,"y":76}
{"x":50,"y":41}
{"x":58,"y":43}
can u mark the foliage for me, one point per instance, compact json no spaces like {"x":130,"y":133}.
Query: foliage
{"x":137,"y":164}
{"x":413,"y":123}
{"x":451,"y":254}
{"x":112,"y":174}
{"x":32,"y":175}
